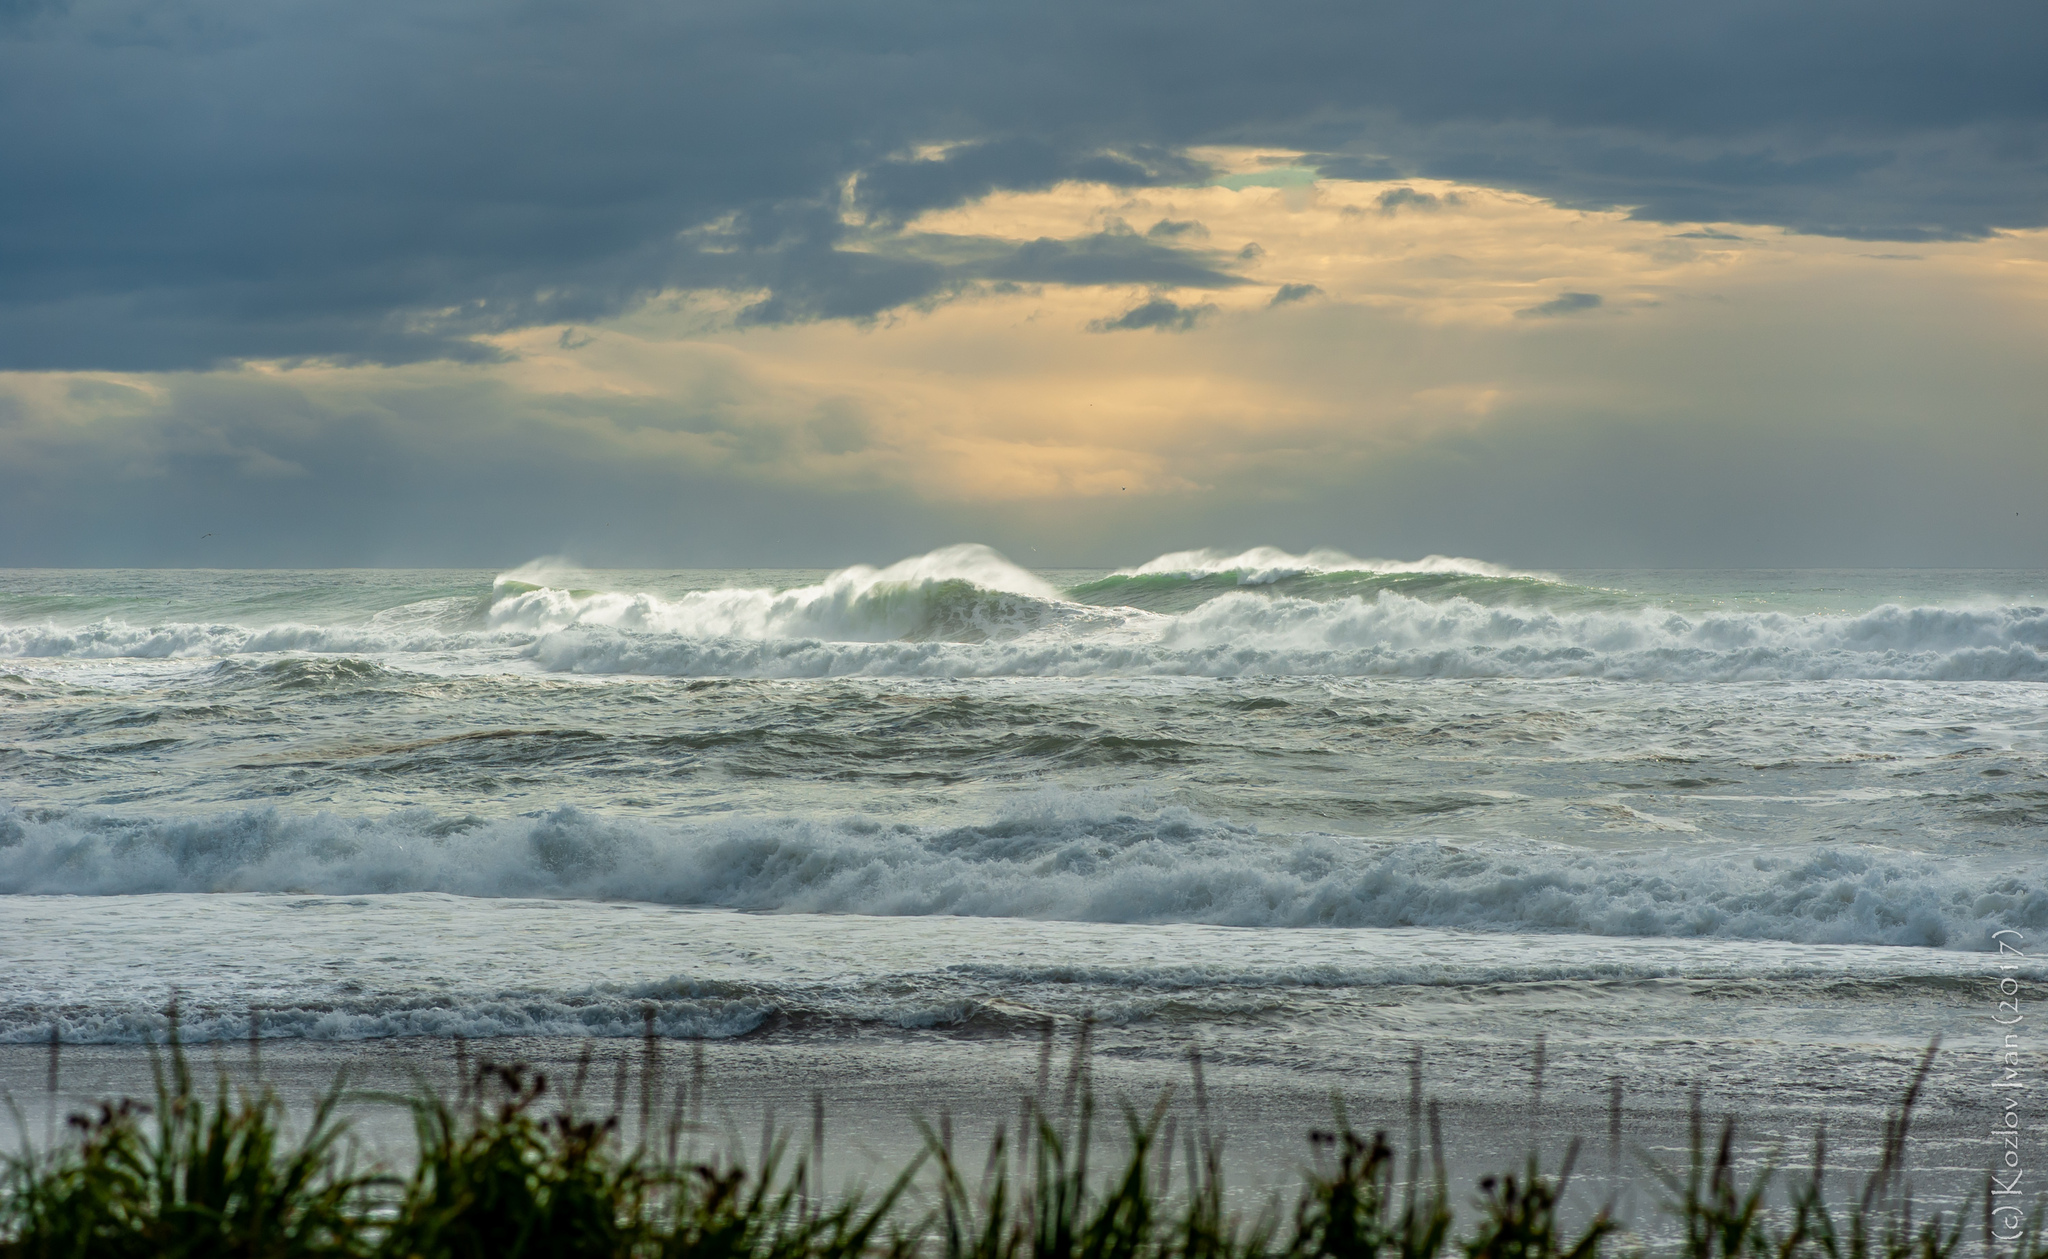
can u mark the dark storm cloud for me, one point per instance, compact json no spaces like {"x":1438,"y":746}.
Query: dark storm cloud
{"x":1562,"y":304}
{"x":1393,"y":200}
{"x":1348,"y":166}
{"x":1159,"y":314}
{"x":816,"y":276}
{"x":902,"y":189}
{"x":1294,"y":293}
{"x":1112,"y":258}
{"x":381,"y":181}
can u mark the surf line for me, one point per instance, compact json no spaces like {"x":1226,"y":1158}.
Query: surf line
{"x":2007,"y":1218}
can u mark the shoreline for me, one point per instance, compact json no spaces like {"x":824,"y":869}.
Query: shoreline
{"x":875,"y":1092}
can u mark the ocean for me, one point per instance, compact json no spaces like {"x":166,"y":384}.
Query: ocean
{"x":1328,"y":822}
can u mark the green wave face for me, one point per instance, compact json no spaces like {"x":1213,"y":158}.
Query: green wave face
{"x":958,"y":611}
{"x":247,"y":598}
{"x":1179,"y":592}
{"x":505,"y":587}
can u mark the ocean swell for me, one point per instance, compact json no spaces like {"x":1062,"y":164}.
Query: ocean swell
{"x":1241,"y":634}
{"x":966,"y":612}
{"x":1065,"y":856}
{"x":958,"y":593}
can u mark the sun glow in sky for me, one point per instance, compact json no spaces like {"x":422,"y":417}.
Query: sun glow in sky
{"x":1180,"y":344}
{"x":1363,"y":318}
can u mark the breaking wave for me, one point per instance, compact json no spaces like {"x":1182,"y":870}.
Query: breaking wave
{"x":1242,"y":634}
{"x":1058,"y":856}
{"x":965,"y":611}
{"x":955,"y":594}
{"x":1263,"y":565}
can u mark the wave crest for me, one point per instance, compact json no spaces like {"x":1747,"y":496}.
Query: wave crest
{"x":960,"y":593}
{"x":1243,"y":634}
{"x":1262,"y":565}
{"x":1061,"y":856}
{"x":965,"y":611}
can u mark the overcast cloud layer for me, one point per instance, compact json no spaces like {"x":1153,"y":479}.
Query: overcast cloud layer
{"x":333,"y":280}
{"x":226,"y":179}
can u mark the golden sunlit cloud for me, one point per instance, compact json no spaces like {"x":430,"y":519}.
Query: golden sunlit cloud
{"x":1371,"y":316}
{"x":1377,"y":314}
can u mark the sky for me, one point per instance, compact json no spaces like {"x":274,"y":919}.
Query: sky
{"x":797,"y":282}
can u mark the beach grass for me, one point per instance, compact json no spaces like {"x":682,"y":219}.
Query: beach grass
{"x":515,"y":1165}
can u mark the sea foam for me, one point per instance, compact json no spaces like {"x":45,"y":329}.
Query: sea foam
{"x":1262,"y":565}
{"x":966,"y":612}
{"x":1243,"y":634}
{"x":1074,"y":856}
